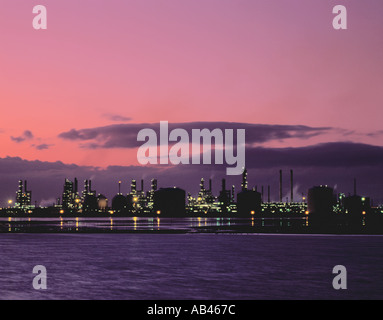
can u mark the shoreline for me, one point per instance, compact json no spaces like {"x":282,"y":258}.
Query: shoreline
{"x":185,"y":231}
{"x":185,"y":225}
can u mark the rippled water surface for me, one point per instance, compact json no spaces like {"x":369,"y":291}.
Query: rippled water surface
{"x":190,"y":266}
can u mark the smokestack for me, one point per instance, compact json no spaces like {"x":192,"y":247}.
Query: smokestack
{"x":262,"y":194}
{"x":268,"y":194}
{"x":25,"y":186}
{"x":280,"y":185}
{"x":223,"y":184}
{"x":142,"y":185}
{"x":291,"y":186}
{"x":90,"y":185}
{"x":233,"y":193}
{"x":119,"y":187}
{"x":210,"y":185}
{"x":75,"y":185}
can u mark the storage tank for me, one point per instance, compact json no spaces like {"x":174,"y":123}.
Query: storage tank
{"x":320,"y":201}
{"x":249,"y":203}
{"x":169,"y":202}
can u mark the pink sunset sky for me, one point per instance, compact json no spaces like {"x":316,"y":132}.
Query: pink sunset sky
{"x":122,"y":61}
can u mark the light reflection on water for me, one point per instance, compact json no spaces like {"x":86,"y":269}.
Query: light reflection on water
{"x":205,"y":224}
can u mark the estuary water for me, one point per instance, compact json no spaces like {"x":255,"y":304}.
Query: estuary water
{"x":146,"y":224}
{"x":190,"y":266}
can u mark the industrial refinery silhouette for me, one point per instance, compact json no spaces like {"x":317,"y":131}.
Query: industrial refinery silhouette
{"x":322,"y":207}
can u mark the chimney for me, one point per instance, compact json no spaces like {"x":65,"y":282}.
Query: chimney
{"x":142,"y":185}
{"x":280,"y":185}
{"x":233,"y":193}
{"x":210,"y":185}
{"x":291,"y":186}
{"x":268,"y":194}
{"x":223,"y":184}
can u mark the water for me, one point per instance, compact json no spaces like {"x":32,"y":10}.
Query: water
{"x":190,"y":266}
{"x":145,"y":224}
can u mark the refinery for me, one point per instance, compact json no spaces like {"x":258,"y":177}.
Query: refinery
{"x":321,"y":204}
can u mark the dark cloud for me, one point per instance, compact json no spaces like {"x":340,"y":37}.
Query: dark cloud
{"x":374,"y":134}
{"x":334,"y":164}
{"x":125,"y":135}
{"x":335,"y":155}
{"x":43,"y":146}
{"x":27,"y":135}
{"x":117,"y":117}
{"x":11,"y":165}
